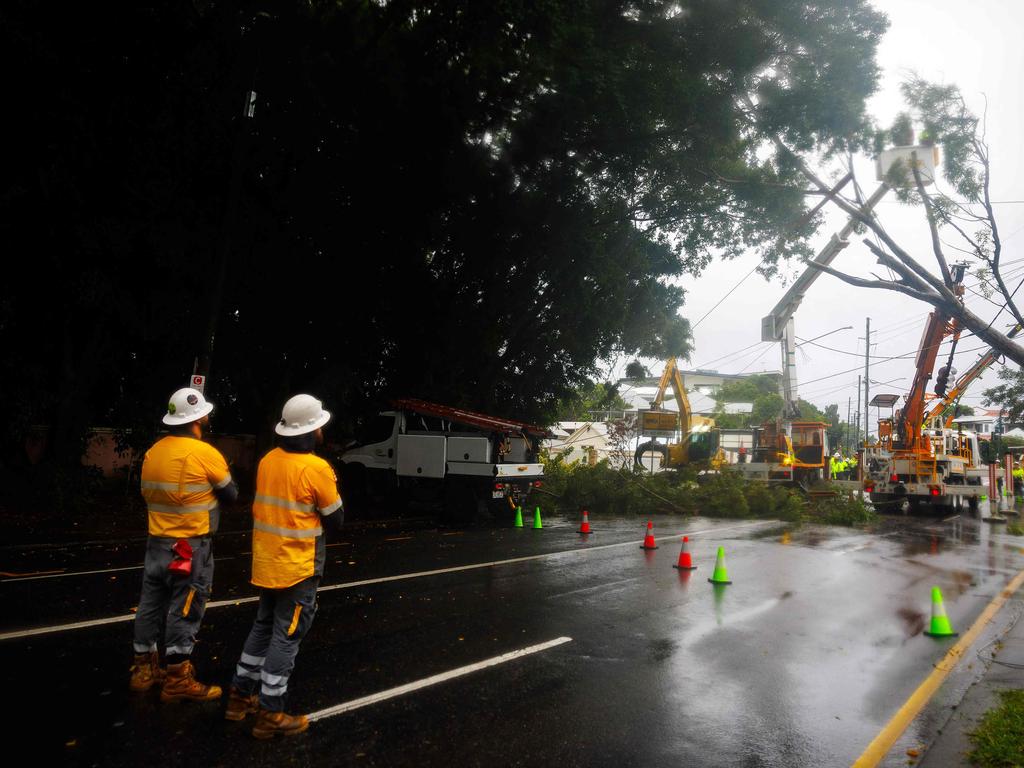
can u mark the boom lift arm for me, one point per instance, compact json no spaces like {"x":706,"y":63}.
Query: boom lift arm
{"x":910,"y":419}
{"x":778,"y":325}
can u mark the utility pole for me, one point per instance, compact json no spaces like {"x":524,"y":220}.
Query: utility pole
{"x":867,"y":366}
{"x":848,"y":399}
{"x":248,"y":56}
{"x":857,"y":416}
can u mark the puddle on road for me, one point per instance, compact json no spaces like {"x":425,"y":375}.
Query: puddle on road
{"x":781,"y":532}
{"x":661,"y":650}
{"x":911,"y":619}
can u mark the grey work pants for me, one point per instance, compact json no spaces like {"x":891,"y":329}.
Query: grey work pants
{"x":171,"y":604}
{"x":268,"y":657}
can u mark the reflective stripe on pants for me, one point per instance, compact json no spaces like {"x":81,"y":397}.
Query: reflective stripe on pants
{"x":172,"y":604}
{"x":283,"y":618}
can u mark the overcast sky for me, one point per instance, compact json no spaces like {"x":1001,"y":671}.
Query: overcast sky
{"x":977,"y":46}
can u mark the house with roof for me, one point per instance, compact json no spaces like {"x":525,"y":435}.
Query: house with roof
{"x":586,"y":442}
{"x":986,"y":423}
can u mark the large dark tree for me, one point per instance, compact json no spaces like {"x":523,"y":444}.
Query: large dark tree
{"x":463,"y":201}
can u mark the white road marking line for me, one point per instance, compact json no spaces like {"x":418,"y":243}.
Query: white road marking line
{"x":401,"y":690}
{"x":379,"y":580}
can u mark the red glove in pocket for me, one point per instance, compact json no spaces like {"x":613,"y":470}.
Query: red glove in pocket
{"x":181,"y":565}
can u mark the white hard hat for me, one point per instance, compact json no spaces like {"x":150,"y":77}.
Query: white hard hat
{"x":301,"y":414}
{"x":186,"y":405}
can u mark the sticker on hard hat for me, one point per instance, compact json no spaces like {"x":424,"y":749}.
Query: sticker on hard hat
{"x":192,"y":399}
{"x":170,"y":408}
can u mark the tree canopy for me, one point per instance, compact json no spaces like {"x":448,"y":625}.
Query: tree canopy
{"x":468,"y":202}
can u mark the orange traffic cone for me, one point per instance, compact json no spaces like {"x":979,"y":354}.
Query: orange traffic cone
{"x":685,"y":564}
{"x":649,"y":538}
{"x":585,"y":525}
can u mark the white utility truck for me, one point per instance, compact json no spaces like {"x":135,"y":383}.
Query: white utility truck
{"x":429,"y":455}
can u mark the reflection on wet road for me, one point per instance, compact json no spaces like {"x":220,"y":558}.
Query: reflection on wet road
{"x":506,"y":646}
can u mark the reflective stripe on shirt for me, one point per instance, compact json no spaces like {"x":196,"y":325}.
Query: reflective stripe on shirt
{"x":275,"y":501}
{"x":288,"y":533}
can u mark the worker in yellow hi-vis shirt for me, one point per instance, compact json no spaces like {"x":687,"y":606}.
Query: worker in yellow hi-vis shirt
{"x":184,"y":480}
{"x":296,"y":495}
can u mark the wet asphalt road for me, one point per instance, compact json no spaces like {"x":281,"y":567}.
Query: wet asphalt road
{"x":799,"y":662}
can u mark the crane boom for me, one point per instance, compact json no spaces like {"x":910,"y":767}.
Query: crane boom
{"x":778,"y":324}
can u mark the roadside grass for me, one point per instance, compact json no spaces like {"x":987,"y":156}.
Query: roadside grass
{"x":999,"y":738}
{"x":1015,"y":529}
{"x":604,"y":489}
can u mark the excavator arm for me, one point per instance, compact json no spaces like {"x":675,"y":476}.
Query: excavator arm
{"x":672,"y":377}
{"x":692,"y":446}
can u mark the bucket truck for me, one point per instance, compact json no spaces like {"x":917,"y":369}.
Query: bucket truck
{"x":926,"y":467}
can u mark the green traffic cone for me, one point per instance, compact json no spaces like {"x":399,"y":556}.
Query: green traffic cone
{"x":720,"y":576}
{"x":519,"y":517}
{"x":940,"y":621}
{"x":536,"y":518}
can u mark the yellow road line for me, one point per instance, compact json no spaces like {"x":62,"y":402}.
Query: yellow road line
{"x":884,"y":741}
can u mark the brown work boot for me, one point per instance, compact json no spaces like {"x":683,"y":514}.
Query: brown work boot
{"x":270,"y":724}
{"x":181,"y":685}
{"x":240,"y":705}
{"x":146,"y":672}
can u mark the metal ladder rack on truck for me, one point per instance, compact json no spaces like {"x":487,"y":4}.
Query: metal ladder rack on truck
{"x":426,"y":454}
{"x":928,"y":469}
{"x":700,"y":443}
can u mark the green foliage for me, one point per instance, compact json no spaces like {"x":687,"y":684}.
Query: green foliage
{"x":946,"y":119}
{"x":587,"y":398}
{"x":774,"y":502}
{"x":528,"y":180}
{"x":636,"y":370}
{"x":993,"y":450}
{"x":748,"y":389}
{"x":602,"y":489}
{"x":1009,"y":394}
{"x":842,"y":509}
{"x":723,"y":495}
{"x":997,"y":739}
{"x":761,"y":390}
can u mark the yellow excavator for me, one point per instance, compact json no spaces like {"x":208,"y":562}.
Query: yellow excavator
{"x":700,"y":443}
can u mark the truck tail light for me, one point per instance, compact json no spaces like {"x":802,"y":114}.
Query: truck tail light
{"x":537,"y":483}
{"x":935,"y":491}
{"x":499,"y":487}
{"x":894,"y":478}
{"x":869,"y":488}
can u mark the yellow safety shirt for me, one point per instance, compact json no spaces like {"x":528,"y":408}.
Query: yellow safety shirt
{"x":178,"y":478}
{"x":293,"y":490}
